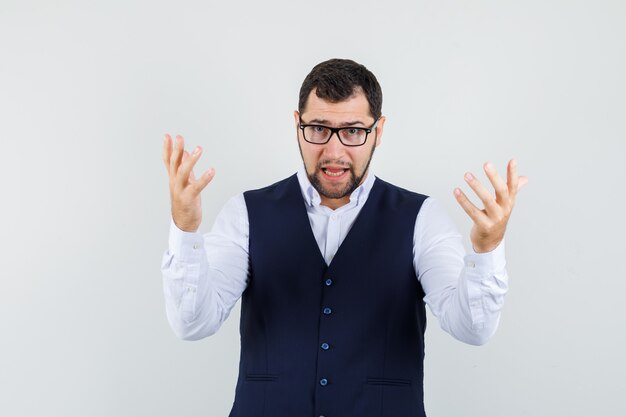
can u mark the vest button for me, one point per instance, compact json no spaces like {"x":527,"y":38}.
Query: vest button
{"x":327,"y":311}
{"x":323,"y":382}
{"x":329,"y":282}
{"x":325,"y":346}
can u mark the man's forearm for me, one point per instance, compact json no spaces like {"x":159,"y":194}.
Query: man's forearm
{"x":199,"y":291}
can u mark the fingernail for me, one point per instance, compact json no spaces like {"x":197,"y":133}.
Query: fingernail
{"x":469,"y":176}
{"x":197,"y":150}
{"x":488,"y":166}
{"x":457,"y":192}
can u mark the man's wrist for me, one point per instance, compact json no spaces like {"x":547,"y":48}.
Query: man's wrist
{"x":493,"y":260}
{"x":185,"y":245}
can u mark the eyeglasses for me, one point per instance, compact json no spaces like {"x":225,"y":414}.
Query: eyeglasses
{"x":348,"y":136}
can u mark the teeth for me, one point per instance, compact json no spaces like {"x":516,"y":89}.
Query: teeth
{"x":333,"y":174}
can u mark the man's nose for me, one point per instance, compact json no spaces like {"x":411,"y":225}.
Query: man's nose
{"x":334,"y":148}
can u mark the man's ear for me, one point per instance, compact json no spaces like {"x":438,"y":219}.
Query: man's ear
{"x":380,"y":127}
{"x":296,"y":119}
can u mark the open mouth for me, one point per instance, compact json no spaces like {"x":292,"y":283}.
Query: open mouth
{"x":334,"y":172}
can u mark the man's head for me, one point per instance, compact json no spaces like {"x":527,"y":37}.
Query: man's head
{"x":337,"y":80}
{"x":338,"y":93}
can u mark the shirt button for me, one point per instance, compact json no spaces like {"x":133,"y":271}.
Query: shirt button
{"x":327,"y":311}
{"x":333,"y":217}
{"x":329,"y":282}
{"x":323,"y":382}
{"x":196,"y":245}
{"x":325,"y":346}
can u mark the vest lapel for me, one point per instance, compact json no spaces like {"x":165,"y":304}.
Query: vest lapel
{"x":296,"y":195}
{"x":355,"y":231}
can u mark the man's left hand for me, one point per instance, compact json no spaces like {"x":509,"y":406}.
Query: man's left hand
{"x":490,"y":222}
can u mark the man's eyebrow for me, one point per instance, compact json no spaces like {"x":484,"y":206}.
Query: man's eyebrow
{"x":325,"y":122}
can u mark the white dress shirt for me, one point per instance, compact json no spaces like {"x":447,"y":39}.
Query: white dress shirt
{"x":205,"y":274}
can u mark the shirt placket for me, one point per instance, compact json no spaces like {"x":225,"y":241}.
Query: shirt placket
{"x":333,"y":236}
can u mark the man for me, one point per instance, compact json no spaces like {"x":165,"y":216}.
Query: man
{"x":334,"y":266}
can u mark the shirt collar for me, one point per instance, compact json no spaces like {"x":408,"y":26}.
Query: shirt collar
{"x":312,"y":197}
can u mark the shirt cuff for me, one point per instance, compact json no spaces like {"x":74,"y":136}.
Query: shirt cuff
{"x":186,"y":246}
{"x":490,"y":262}
{"x":486,"y":286}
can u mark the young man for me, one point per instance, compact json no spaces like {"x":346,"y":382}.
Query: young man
{"x":334,"y":266}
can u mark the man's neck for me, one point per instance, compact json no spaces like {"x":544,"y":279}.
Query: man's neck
{"x":334,"y":203}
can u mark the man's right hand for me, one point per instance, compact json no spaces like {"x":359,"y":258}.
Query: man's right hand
{"x":184,"y":187}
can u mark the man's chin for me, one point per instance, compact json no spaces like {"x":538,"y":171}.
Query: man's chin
{"x":334,"y":195}
{"x":333,"y":189}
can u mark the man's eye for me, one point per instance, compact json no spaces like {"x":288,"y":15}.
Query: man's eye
{"x":319,"y":129}
{"x":352,"y":131}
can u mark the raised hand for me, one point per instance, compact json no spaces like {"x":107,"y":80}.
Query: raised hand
{"x":490,"y":222}
{"x":184,"y":187}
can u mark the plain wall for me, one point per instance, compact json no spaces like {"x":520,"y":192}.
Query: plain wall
{"x":87,"y":90}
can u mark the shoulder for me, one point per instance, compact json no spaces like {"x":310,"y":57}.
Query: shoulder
{"x":272,"y":191}
{"x":398,"y":195}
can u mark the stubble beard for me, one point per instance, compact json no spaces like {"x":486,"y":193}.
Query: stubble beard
{"x":352,"y":184}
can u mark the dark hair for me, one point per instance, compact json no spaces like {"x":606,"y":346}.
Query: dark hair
{"x":336,"y":80}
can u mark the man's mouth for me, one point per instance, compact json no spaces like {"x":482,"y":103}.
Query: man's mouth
{"x":334,"y":172}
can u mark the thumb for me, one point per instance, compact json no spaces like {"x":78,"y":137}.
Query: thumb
{"x":204,"y":179}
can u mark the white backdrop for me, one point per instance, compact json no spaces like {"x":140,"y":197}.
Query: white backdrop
{"x":88,"y":89}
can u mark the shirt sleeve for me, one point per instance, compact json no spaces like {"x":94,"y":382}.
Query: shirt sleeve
{"x":465,"y":292}
{"x":205,"y":274}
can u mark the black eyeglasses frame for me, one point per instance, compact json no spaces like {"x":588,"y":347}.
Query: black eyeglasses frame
{"x":335,"y":130}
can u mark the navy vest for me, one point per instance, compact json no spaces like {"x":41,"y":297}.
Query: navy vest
{"x":344,"y":340}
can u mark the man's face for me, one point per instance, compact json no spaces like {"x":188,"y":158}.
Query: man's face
{"x":335,"y":170}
